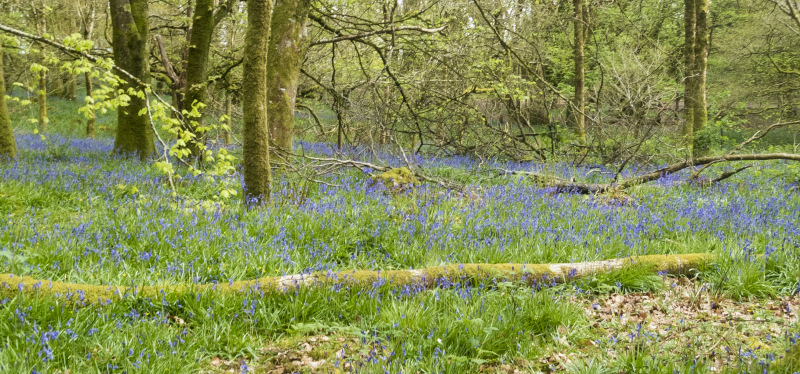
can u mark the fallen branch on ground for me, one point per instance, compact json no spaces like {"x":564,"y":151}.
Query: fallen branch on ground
{"x":563,"y":185}
{"x":532,"y":274}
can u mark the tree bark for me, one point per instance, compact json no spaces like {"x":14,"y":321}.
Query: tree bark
{"x":130,"y":36}
{"x":88,"y":29}
{"x":701,"y":42}
{"x":580,"y":83}
{"x":90,"y":122}
{"x":42,"y":99}
{"x":8,"y":145}
{"x":229,"y":114}
{"x":257,"y":175}
{"x":196,"y":67}
{"x":87,"y":21}
{"x":287,"y":47}
{"x":178,"y":79}
{"x":689,"y":20}
{"x":197,"y":56}
{"x":204,"y":22}
{"x":70,"y":86}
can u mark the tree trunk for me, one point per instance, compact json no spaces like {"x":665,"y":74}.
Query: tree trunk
{"x":287,"y":46}
{"x":88,"y":29}
{"x":700,"y":110}
{"x":340,"y":127}
{"x":90,"y":132}
{"x":688,"y":88}
{"x":229,"y":115}
{"x":257,"y":176}
{"x":178,"y":79}
{"x":197,"y":65}
{"x":8,"y":146}
{"x":42,"y":94}
{"x":130,"y":34}
{"x":204,"y":21}
{"x":70,"y":84}
{"x":579,"y":100}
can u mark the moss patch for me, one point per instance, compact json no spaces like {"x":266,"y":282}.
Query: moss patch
{"x":397,"y":179}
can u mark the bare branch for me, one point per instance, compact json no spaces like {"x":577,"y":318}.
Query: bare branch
{"x":392,"y":30}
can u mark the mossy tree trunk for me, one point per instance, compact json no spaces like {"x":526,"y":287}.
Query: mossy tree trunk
{"x":40,"y":19}
{"x":689,"y":68}
{"x":580,"y":82}
{"x":204,"y":21}
{"x":8,"y":146}
{"x":229,"y":117}
{"x":72,"y":87}
{"x":197,"y":56}
{"x":88,"y":28}
{"x":42,"y":101}
{"x":701,"y":43}
{"x":90,"y":122}
{"x":287,"y":47}
{"x":257,"y":176}
{"x":130,"y":35}
{"x":69,"y":86}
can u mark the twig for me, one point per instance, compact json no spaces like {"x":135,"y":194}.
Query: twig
{"x":729,"y":174}
{"x":163,"y":144}
{"x":392,"y":30}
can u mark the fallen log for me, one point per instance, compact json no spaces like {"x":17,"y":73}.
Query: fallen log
{"x":563,"y":185}
{"x":543,"y":274}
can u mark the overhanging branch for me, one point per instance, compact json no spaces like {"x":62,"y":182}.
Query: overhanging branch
{"x":363,"y":35}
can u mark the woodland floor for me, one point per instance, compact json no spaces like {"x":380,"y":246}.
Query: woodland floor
{"x":76,"y":214}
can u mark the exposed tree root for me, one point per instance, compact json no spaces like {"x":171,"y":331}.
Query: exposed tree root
{"x":532,"y":274}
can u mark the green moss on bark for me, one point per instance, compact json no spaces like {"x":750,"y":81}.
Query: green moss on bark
{"x":255,"y":147}
{"x":42,"y":101}
{"x":130,"y":36}
{"x":8,"y":145}
{"x":82,"y":294}
{"x":689,"y":20}
{"x":203,"y":25}
{"x":90,"y":122}
{"x":287,"y":46}
{"x":700,"y":110}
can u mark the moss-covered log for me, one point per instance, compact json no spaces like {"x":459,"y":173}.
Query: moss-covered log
{"x":130,"y":36}
{"x":287,"y":46}
{"x":532,"y":274}
{"x":8,"y":146}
